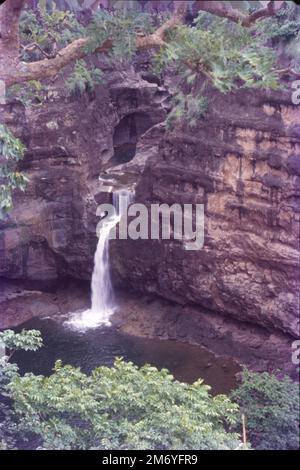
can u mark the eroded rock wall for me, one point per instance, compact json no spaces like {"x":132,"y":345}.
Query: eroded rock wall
{"x":51,"y":232}
{"x":242,"y":162}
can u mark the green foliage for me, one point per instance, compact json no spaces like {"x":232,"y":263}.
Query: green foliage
{"x":284,"y":26}
{"x":122,"y":28}
{"x":48,"y":30}
{"x":188,"y":107}
{"x":122,"y":407}
{"x":29,"y":93}
{"x":127,"y":407}
{"x":31,"y":31}
{"x":83,"y":79}
{"x":214,"y":50}
{"x":271,"y":407}
{"x":28,"y":341}
{"x":218,"y":52}
{"x":294,"y":53}
{"x":283,"y":31}
{"x":8,"y":428}
{"x":11,"y":151}
{"x":223,"y":53}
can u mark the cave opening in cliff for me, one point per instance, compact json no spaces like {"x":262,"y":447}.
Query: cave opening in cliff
{"x":127,"y":134}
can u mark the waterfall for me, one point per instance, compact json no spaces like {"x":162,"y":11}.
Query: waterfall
{"x":102,"y":291}
{"x":102,"y":302}
{"x":121,"y":201}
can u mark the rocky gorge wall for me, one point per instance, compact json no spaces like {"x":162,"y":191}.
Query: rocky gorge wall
{"x":51,"y":231}
{"x":242,"y":162}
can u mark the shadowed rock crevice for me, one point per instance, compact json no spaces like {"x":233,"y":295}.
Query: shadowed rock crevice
{"x":127,"y":134}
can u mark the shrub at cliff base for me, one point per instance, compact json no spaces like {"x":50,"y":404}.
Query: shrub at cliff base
{"x":271,"y":407}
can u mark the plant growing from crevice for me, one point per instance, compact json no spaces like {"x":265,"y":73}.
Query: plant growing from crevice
{"x":83,"y":79}
{"x":30,"y":93}
{"x":11,"y":152}
{"x":188,"y":108}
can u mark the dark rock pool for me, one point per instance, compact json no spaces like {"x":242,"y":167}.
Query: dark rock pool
{"x":100,"y":346}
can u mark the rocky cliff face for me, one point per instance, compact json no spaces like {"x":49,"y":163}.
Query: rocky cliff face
{"x":242,"y":162}
{"x":50,"y":233}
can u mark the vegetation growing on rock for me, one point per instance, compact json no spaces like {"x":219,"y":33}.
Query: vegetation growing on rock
{"x":11,"y":152}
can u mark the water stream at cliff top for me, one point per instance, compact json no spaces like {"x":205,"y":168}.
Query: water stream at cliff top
{"x":102,"y":296}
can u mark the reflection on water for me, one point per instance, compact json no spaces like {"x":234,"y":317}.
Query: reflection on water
{"x":100,"y":346}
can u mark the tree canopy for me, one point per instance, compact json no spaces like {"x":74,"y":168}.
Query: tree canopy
{"x":106,"y":30}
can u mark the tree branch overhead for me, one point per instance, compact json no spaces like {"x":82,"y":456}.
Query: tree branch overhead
{"x":13,"y":71}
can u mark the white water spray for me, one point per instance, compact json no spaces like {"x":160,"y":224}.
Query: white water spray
{"x":103,"y":303}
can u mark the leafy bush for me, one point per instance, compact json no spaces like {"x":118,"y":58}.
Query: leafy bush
{"x":188,"y":107}
{"x":28,"y":341}
{"x":43,"y":32}
{"x":218,"y":52}
{"x":271,"y":407}
{"x":11,"y":151}
{"x":121,"y":26}
{"x":284,"y":26}
{"x":82,"y":79}
{"x":126,"y":407}
{"x":213,"y":49}
{"x":122,"y":407}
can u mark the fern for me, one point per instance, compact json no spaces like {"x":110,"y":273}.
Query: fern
{"x":189,"y":108}
{"x":82,"y":79}
{"x":218,"y":52}
{"x":284,"y":26}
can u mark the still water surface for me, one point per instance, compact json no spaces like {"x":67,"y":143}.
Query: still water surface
{"x":99,"y":346}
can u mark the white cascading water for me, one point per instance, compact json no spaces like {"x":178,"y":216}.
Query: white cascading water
{"x":102,"y":302}
{"x":102,"y":292}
